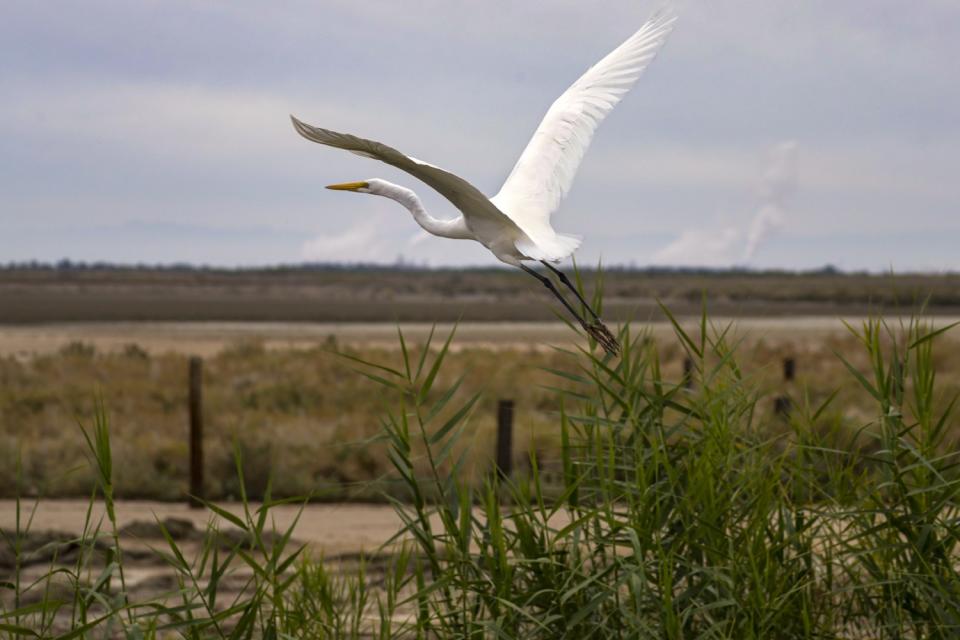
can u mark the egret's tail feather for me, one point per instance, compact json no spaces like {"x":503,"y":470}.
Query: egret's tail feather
{"x":555,"y":249}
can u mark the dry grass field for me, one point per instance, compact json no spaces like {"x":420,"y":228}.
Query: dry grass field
{"x":293,"y":406}
{"x":276,"y":388}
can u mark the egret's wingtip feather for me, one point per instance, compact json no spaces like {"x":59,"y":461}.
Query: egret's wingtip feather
{"x":665,"y":12}
{"x":314,"y":134}
{"x":302,"y":128}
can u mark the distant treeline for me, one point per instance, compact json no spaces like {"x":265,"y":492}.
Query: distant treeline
{"x":401,"y":267}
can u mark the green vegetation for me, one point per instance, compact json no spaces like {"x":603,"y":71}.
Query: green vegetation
{"x":677,"y":512}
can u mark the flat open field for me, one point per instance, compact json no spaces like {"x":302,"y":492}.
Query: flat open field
{"x":296,"y":409}
{"x":210,"y":338}
{"x":388,"y":295}
{"x":275,"y":386}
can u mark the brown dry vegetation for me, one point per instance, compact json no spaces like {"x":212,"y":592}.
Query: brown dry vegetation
{"x":309,"y":417}
{"x":327,"y":295}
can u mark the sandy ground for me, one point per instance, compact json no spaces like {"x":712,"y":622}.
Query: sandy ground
{"x":334,"y":529}
{"x":337,"y":532}
{"x":208,"y":338}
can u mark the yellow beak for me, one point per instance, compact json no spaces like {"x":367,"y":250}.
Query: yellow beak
{"x":348,"y":186}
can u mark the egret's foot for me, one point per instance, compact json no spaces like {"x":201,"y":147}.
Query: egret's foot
{"x":599,"y":332}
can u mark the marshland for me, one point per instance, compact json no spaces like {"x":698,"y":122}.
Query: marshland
{"x":669,"y":492}
{"x":698,"y":380}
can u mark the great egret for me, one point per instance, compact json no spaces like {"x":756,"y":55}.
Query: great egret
{"x":515,"y":224}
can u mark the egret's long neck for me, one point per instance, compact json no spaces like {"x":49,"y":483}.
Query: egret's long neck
{"x":454,"y":228}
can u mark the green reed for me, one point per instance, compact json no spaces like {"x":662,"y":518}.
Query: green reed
{"x":674,"y":509}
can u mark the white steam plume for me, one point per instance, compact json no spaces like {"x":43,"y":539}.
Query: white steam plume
{"x":700,"y":248}
{"x":730,"y":244}
{"x":778,"y":185}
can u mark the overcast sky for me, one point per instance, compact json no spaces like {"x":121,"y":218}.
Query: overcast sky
{"x":158,"y":131}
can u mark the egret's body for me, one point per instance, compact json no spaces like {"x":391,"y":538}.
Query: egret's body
{"x":515,"y":223}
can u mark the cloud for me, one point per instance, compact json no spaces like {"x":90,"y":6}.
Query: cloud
{"x":180,"y":116}
{"x":361,"y":242}
{"x":418,"y":238}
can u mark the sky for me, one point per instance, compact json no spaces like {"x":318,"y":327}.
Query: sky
{"x":790,"y":134}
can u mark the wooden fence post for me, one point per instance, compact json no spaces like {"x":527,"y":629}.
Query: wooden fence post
{"x":782,"y":404}
{"x":688,"y":372}
{"x":196,"y":432}
{"x":789,"y":369}
{"x":505,"y":438}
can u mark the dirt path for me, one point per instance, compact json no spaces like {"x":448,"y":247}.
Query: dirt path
{"x":334,"y":529}
{"x":208,"y":338}
{"x":337,"y":532}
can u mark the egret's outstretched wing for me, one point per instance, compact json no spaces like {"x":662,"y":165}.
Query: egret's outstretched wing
{"x":458,"y":191}
{"x":545,"y":170}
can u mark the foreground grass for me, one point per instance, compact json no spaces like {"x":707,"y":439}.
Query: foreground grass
{"x":677,"y":513}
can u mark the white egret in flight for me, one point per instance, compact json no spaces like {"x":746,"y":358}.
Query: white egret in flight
{"x":515,"y":224}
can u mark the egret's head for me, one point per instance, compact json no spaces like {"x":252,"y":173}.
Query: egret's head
{"x":378,"y":187}
{"x":373,"y":185}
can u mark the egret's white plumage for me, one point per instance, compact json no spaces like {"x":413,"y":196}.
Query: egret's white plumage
{"x":515,"y":223}
{"x":546,"y":168}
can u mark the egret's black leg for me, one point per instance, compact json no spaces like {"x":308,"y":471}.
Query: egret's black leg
{"x":598,"y":331}
{"x":548,"y":283}
{"x":566,"y":281}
